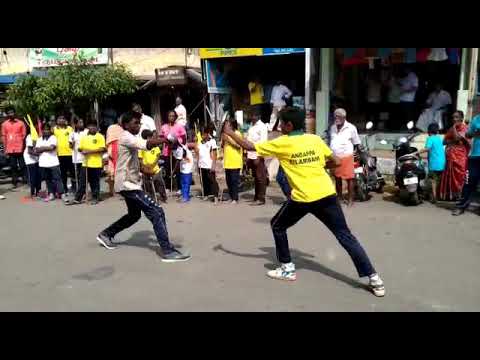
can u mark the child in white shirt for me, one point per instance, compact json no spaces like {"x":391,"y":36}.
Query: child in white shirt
{"x":46,"y":147}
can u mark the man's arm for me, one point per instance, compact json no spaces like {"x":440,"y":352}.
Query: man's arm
{"x":90,"y":152}
{"x":228,"y":139}
{"x":245,"y":144}
{"x":332,"y":162}
{"x":43,"y":149}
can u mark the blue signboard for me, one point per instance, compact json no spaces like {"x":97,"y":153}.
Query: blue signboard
{"x":282,"y":51}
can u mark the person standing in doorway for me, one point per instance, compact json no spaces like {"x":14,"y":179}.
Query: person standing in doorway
{"x":374,"y":96}
{"x":257,"y":133}
{"x":408,"y":91}
{"x":472,"y":177}
{"x":181,"y":112}
{"x":128,"y":182}
{"x":14,"y":132}
{"x":280,"y":93}
{"x":232,"y":161}
{"x":63,"y":132}
{"x":147,"y":123}
{"x":304,"y":158}
{"x":344,"y":138}
{"x":257,"y":95}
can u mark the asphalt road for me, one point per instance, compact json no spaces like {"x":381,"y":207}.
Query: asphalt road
{"x":50,"y":260}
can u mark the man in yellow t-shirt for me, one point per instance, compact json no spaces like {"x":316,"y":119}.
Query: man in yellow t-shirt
{"x":62,"y":132}
{"x":92,"y":146}
{"x":304,"y":158}
{"x":256,"y":92}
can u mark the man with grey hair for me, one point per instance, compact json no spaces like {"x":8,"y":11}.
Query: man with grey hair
{"x":343,"y":139}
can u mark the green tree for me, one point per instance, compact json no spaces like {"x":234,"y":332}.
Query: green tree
{"x":69,"y":85}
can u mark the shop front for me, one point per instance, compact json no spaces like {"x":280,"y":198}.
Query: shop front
{"x":370,"y":83}
{"x":230,"y":73}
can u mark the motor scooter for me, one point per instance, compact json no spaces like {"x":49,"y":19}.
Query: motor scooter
{"x":409,"y":170}
{"x":367,"y":177}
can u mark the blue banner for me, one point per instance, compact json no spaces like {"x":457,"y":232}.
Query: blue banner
{"x":282,"y":51}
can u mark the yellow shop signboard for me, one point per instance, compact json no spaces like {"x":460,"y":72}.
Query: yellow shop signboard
{"x":211,"y":53}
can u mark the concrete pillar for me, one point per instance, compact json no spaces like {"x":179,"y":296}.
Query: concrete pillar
{"x":323,"y":92}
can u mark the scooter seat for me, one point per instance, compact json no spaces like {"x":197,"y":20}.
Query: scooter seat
{"x":408,"y":158}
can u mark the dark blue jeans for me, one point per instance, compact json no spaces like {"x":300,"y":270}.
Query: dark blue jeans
{"x":34,"y":179}
{"x":472,"y":179}
{"x":283,"y":182}
{"x":232,"y":176}
{"x":329,"y":212}
{"x":186,"y":181}
{"x":138,"y":201}
{"x":53,"y":178}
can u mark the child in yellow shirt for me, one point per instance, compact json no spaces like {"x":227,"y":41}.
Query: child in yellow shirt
{"x":92,"y":146}
{"x":150,"y":168}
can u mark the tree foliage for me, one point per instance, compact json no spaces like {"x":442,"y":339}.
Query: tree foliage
{"x":66,"y":85}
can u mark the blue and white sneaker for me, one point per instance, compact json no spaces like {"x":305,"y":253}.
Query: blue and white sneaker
{"x":375,"y":283}
{"x":285,"y":272}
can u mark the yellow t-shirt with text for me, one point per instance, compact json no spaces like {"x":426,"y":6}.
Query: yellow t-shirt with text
{"x":232,"y":157}
{"x":303,"y":158}
{"x":63,"y":144}
{"x":150,"y":159}
{"x":89,"y":143}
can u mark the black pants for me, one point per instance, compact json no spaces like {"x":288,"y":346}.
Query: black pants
{"x":174,"y":171}
{"x":53,"y":178}
{"x":210,"y":185}
{"x":17,"y":166}
{"x":259,"y":172}
{"x":67,"y":170}
{"x":93,"y":175}
{"x":472,"y":179}
{"x":34,"y":179}
{"x":232,"y":176}
{"x":330,"y":213}
{"x":138,"y":201}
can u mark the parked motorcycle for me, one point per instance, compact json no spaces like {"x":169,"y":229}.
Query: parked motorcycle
{"x":367,"y":177}
{"x":409,"y":170}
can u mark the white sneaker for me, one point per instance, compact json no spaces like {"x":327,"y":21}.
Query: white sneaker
{"x":50,"y":197}
{"x":376,"y":285}
{"x":234,"y":202}
{"x":285,"y":272}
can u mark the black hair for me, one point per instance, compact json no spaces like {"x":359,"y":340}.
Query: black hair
{"x":233,"y":123}
{"x":146,"y":134}
{"x":129,"y":116}
{"x":9,"y":108}
{"x":91,"y":122}
{"x":433,"y":129}
{"x":208,"y":129}
{"x":254,"y":110}
{"x":174,"y":112}
{"x":294,"y":116}
{"x":460,"y":112}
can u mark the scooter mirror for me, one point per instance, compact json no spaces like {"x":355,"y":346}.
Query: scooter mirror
{"x":403,"y":140}
{"x":369,"y":125}
{"x":383,"y":142}
{"x":410,"y":125}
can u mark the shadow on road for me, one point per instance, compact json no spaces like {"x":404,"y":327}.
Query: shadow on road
{"x":302,"y":261}
{"x":147,"y":240}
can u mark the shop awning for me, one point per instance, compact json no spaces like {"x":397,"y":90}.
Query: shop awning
{"x":192,"y":75}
